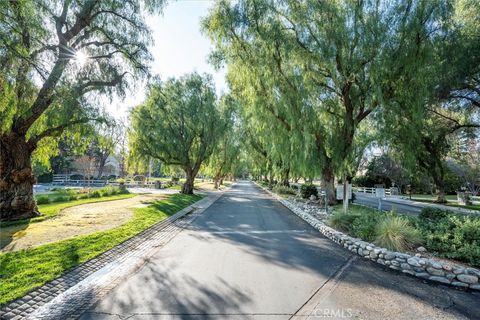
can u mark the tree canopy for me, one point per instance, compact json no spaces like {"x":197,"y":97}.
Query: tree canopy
{"x":179,"y":124}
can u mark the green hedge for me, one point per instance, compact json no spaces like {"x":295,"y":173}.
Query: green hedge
{"x":444,"y":233}
{"x":307,"y":190}
{"x":451,"y":235}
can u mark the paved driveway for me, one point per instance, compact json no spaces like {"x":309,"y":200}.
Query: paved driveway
{"x":248,"y":257}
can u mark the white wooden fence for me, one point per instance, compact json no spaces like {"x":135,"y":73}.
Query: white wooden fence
{"x":64,"y":180}
{"x":370,"y":190}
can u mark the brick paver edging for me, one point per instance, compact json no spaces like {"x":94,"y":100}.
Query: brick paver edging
{"x":83,"y":285}
{"x":414,"y":265}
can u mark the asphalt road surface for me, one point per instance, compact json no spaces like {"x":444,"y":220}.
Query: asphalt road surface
{"x":387,"y":205}
{"x":248,"y":257}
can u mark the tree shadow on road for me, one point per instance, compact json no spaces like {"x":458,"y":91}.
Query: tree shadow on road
{"x":273,"y":233}
{"x":156,"y":290}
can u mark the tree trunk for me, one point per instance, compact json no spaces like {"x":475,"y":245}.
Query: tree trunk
{"x":217,"y":180}
{"x":16,"y":179}
{"x":328,"y":180}
{"x":286,"y":178}
{"x":270,"y":182}
{"x":101,"y":166}
{"x":440,"y":189}
{"x":187,"y":187}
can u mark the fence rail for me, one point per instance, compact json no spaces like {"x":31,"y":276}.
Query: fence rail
{"x":371,"y":190}
{"x":64,"y":180}
{"x":388,"y":192}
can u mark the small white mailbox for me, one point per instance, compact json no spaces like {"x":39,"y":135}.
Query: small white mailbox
{"x":340,"y":191}
{"x":380,"y":192}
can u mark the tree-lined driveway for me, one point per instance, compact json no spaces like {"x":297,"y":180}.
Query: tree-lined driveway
{"x":248,"y":257}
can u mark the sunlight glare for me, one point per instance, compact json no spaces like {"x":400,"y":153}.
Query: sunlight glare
{"x":81,"y":58}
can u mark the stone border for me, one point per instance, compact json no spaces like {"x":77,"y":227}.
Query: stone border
{"x":415,"y":265}
{"x":37,"y":303}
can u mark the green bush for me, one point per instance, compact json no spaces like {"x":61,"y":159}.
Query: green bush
{"x":77,"y":177}
{"x":43,"y":199}
{"x":396,"y":233}
{"x":283,"y":190}
{"x":60,"y":199}
{"x":432,"y":216}
{"x":96,"y":194}
{"x":451,"y":235}
{"x":364,"y":181}
{"x":364,"y":226}
{"x":45,"y":178}
{"x":342,"y":221}
{"x":307,"y":190}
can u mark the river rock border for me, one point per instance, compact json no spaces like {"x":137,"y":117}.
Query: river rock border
{"x":415,"y":265}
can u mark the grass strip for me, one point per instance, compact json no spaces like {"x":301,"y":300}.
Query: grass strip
{"x":50,"y":210}
{"x":23,"y":271}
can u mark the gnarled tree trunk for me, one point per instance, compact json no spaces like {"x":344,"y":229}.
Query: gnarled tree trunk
{"x":439,"y":188}
{"x":190,"y":174}
{"x":328,"y":184}
{"x":286,"y":178}
{"x":16,"y":179}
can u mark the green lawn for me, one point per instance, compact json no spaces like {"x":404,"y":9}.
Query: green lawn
{"x":23,"y":271}
{"x":470,"y":206}
{"x":50,"y":210}
{"x":430,"y":197}
{"x":451,"y":201}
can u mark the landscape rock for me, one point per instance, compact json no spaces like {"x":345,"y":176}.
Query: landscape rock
{"x":439,"y":279}
{"x":414,"y":262}
{"x":467,"y":278}
{"x":473,"y":271}
{"x":459,"y":284}
{"x":435,"y":272}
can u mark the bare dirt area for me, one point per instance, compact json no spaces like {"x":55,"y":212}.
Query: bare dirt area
{"x":74,"y":221}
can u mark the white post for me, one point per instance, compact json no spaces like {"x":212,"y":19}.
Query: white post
{"x":345,"y":194}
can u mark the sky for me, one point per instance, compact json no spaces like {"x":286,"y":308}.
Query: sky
{"x":179,"y":48}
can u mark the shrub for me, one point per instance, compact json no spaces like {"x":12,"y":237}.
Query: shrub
{"x":96,"y":194}
{"x":451,"y":235}
{"x":307,"y":190}
{"x":432,"y":215}
{"x":43,"y":199}
{"x":45,"y":178}
{"x":108,"y":191}
{"x":342,"y":221}
{"x":396,"y":233}
{"x":283,"y":190}
{"x":60,"y":199}
{"x":364,"y":226}
{"x":77,"y":177}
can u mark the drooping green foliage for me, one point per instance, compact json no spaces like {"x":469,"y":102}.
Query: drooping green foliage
{"x":226,"y":154}
{"x":444,"y":96}
{"x":319,"y":79}
{"x":179,"y":124}
{"x":57,"y":60}
{"x":315,"y":74}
